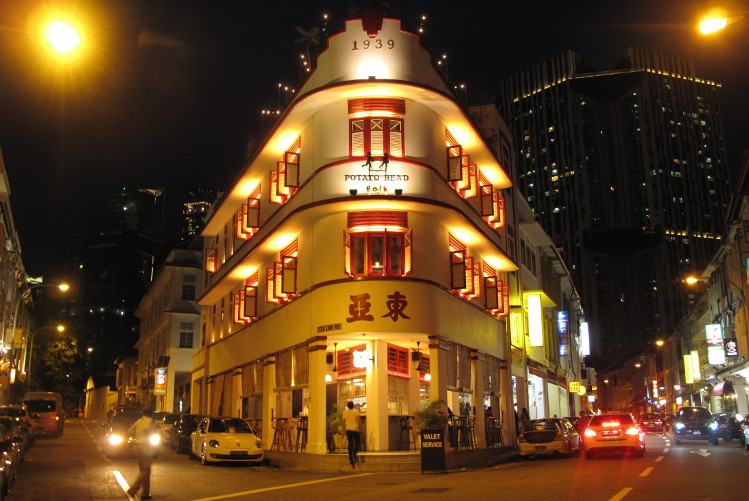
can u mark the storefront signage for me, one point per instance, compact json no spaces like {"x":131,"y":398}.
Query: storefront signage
{"x":535,"y":320}
{"x":716,"y":355}
{"x":563,"y":328}
{"x":433,"y":450}
{"x":714,"y":334}
{"x":159,"y":383}
{"x":329,"y":327}
{"x":688,"y":376}
{"x":584,"y":339}
{"x":731,"y":347}
{"x":361,"y":359}
{"x":574,"y":386}
{"x":696,"y":374}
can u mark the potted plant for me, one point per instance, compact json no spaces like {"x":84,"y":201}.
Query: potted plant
{"x":333,"y":428}
{"x":431,"y":417}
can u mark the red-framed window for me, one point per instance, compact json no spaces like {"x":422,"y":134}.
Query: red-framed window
{"x":376,"y":136}
{"x":496,"y":293}
{"x":465,"y":271}
{"x":284,"y":180}
{"x":248,"y":216}
{"x":245,"y":301}
{"x":397,"y":363}
{"x":377,"y":243}
{"x":281,"y":278}
{"x":345,"y":363}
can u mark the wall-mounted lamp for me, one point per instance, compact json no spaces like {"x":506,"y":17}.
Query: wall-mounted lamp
{"x":353,"y":192}
{"x":399,"y":191}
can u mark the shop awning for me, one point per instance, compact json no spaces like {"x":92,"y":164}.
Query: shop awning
{"x":724,"y":388}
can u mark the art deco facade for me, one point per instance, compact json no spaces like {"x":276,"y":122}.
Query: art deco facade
{"x":364,"y":255}
{"x":625,"y":169}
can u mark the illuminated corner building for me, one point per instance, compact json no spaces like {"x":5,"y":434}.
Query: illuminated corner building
{"x":626,"y":171}
{"x":361,"y":255}
{"x":114,"y":270}
{"x":196,"y":204}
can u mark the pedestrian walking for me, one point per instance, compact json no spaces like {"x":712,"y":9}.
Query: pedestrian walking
{"x":351,"y":424}
{"x":142,"y":429}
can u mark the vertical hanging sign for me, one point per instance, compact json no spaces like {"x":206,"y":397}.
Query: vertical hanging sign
{"x":563,"y":328}
{"x":159,"y":382}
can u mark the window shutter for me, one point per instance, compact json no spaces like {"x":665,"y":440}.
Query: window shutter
{"x":487,"y":200}
{"x":357,"y":138}
{"x":458,"y":269}
{"x":454,"y":163}
{"x":250,"y":301}
{"x":397,"y":362}
{"x":211,"y":264}
{"x":347,"y":256}
{"x":491,"y":292}
{"x":288,"y":277}
{"x":291,"y":168}
{"x":407,"y":253}
{"x":252,"y":214}
{"x":395,"y":148}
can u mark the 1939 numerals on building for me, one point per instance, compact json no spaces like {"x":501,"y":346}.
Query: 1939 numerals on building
{"x":373,"y":44}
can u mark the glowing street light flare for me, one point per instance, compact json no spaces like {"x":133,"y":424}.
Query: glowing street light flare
{"x":712,"y":24}
{"x":62,"y":36}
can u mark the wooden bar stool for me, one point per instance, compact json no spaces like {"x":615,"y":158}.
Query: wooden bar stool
{"x":407,"y":434}
{"x":301,"y":434}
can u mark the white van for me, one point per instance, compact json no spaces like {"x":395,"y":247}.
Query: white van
{"x":46,"y":411}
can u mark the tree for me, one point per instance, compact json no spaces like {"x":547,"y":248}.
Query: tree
{"x":310,"y":36}
{"x":61,"y":366}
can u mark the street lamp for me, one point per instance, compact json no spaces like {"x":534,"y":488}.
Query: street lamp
{"x":718,"y":21}
{"x":60,"y":328}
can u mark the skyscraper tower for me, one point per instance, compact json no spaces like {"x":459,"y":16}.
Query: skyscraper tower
{"x":626,"y":171}
{"x":196,"y":204}
{"x":115,"y":268}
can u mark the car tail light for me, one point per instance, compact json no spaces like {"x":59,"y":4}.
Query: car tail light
{"x":610,"y":423}
{"x":632,"y":431}
{"x":589,"y":433}
{"x":658,"y":422}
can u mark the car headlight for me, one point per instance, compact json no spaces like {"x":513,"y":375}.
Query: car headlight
{"x":213,"y":443}
{"x":259,"y":444}
{"x":115,"y":439}
{"x":713,"y":426}
{"x":679,"y":426}
{"x":154,"y":439}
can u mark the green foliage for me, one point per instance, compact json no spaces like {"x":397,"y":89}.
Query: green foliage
{"x":431,"y":417}
{"x":334,"y":420}
{"x":61,"y":365}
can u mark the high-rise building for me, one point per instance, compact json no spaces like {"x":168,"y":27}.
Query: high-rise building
{"x":626,"y":171}
{"x":115,"y":268}
{"x":196,"y":203}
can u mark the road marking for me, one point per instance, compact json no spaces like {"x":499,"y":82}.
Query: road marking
{"x":665,"y":450}
{"x":621,"y":494}
{"x":278,"y":487}
{"x":659,"y":459}
{"x":701,"y":452}
{"x":647,"y":471}
{"x":123,"y":483}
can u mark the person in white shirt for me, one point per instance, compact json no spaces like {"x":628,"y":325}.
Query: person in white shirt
{"x":352,"y":425}
{"x":142,"y":429}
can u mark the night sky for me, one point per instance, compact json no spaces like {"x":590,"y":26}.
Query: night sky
{"x":167,"y":92}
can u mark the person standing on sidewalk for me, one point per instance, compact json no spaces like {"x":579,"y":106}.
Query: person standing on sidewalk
{"x":142,"y":429}
{"x":352,"y":424}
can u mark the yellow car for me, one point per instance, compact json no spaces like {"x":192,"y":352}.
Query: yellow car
{"x":607,"y":433}
{"x":549,"y":436}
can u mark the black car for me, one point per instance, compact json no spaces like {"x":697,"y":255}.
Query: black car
{"x":695,"y":423}
{"x":179,"y":438}
{"x":729,"y":426}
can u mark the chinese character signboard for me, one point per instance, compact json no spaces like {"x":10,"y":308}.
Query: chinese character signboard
{"x":688,"y":375}
{"x":159,"y":382}
{"x":716,"y":355}
{"x":574,"y":386}
{"x":563,"y":327}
